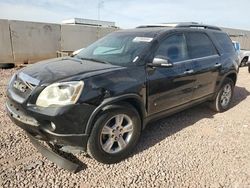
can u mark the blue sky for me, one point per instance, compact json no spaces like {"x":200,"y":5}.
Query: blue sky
{"x":130,"y":13}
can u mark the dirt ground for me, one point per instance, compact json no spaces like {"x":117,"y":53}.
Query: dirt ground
{"x":194,"y":148}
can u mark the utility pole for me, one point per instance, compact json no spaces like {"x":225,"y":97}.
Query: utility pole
{"x":100,"y":5}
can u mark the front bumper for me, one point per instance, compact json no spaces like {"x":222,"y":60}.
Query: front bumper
{"x":38,"y":123}
{"x":54,"y":157}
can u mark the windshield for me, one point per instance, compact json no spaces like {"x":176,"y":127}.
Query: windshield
{"x":116,"y":48}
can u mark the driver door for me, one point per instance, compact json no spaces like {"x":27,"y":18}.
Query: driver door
{"x":169,"y":87}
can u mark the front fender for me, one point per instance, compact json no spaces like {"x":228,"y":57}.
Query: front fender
{"x":112,"y":100}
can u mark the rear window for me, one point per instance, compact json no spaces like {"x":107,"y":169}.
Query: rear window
{"x":200,"y":45}
{"x":225,"y":42}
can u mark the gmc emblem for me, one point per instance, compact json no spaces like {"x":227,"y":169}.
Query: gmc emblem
{"x":20,"y":86}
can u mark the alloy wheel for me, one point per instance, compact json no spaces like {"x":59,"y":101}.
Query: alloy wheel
{"x":226,"y":95}
{"x":116,"y":133}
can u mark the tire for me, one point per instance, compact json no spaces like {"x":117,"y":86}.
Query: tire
{"x":98,"y":142}
{"x":218,"y":105}
{"x":244,"y":62}
{"x":7,"y":65}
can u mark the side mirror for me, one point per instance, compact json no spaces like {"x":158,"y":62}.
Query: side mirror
{"x":160,"y":61}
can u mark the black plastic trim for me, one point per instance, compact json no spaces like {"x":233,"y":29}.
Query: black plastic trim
{"x":52,"y":156}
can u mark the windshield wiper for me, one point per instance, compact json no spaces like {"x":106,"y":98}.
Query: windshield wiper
{"x":95,"y":60}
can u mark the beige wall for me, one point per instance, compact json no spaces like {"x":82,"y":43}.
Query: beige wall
{"x":6,"y":55}
{"x":241,"y":36}
{"x":22,"y":41}
{"x":34,"y":41}
{"x":244,"y":42}
{"x":79,"y":36}
{"x":104,"y":31}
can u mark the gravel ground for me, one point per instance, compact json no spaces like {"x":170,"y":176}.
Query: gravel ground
{"x":194,"y":148}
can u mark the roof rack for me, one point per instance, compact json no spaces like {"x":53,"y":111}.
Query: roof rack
{"x":182,"y":25}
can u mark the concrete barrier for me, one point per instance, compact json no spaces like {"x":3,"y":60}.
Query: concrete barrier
{"x":106,"y":30}
{"x":79,"y":36}
{"x":6,"y":55}
{"x":242,"y":36}
{"x":28,"y":42}
{"x":32,"y":41}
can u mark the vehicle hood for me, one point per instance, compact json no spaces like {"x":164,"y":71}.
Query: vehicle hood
{"x":53,"y":70}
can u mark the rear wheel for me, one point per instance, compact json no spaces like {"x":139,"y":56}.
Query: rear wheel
{"x":224,"y":96}
{"x":115,"y":134}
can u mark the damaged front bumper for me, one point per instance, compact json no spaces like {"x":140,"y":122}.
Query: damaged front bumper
{"x":69,"y":143}
{"x":54,"y":157}
{"x":41,"y":127}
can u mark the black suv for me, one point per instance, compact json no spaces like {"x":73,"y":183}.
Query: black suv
{"x":100,"y":100}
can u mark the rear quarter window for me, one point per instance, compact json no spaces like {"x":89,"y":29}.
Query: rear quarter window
{"x":200,"y":45}
{"x":225,"y":42}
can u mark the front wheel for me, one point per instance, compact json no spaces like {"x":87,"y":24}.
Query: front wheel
{"x":223,"y":97}
{"x":115,"y":134}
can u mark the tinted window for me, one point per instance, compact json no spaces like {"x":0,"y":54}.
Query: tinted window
{"x":174,"y":47}
{"x":199,"y":45}
{"x":225,"y":42}
{"x":119,"y":48}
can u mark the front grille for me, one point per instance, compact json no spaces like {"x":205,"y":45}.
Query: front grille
{"x":21,"y":88}
{"x":23,"y":85}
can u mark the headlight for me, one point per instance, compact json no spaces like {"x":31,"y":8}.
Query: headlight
{"x":62,"y":94}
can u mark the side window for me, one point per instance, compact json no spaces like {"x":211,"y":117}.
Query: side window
{"x":173,"y":47}
{"x":225,"y":42}
{"x":199,"y":45}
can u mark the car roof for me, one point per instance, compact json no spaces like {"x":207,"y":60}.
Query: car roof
{"x":158,"y":30}
{"x":148,"y":31}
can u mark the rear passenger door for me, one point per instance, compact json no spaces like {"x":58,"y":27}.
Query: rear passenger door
{"x":205,"y":62}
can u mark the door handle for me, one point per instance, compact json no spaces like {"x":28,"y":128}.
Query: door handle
{"x":189,"y":71}
{"x":217,"y":65}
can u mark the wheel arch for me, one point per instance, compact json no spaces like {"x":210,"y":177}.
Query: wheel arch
{"x":110,"y":103}
{"x":245,"y":57}
{"x":232,"y":76}
{"x":244,"y":60}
